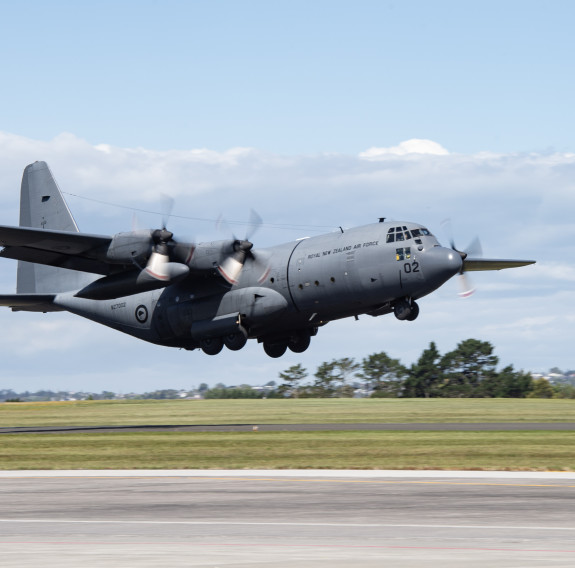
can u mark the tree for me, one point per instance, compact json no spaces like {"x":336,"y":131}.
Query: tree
{"x":510,"y":384}
{"x":292,"y":379}
{"x":382,"y":374}
{"x":564,"y":390}
{"x":470,"y":363}
{"x":425,"y":378}
{"x":541,"y":389}
{"x":331,"y":378}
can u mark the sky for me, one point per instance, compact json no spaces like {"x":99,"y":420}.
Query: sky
{"x":317,"y":115}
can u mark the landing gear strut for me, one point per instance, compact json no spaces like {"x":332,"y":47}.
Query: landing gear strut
{"x":406,"y":309}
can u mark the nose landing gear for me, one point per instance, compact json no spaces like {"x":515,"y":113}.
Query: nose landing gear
{"x":406,"y":309}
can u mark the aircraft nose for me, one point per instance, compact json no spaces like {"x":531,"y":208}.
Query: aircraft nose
{"x":442,"y":263}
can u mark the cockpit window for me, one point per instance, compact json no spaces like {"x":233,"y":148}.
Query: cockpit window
{"x":403,"y":234}
{"x":420,"y":232}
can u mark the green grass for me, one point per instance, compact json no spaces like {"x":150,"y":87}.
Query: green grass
{"x":283,"y":450}
{"x":533,"y":450}
{"x":271,"y":411}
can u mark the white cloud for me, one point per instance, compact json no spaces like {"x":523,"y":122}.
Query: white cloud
{"x":413,"y":146}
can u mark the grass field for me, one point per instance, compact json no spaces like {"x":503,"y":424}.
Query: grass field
{"x":285,"y":450}
{"x":525,"y":450}
{"x":289,"y":411}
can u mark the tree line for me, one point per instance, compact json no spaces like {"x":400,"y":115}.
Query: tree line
{"x":469,"y":371}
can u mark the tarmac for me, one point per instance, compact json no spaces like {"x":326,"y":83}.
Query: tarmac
{"x":281,"y":518}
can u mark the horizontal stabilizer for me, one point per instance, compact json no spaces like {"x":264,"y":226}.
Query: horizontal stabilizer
{"x":30,"y":302}
{"x":476,"y":264}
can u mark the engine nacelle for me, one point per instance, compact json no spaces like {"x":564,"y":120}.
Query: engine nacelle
{"x":205,"y":256}
{"x":125,"y":247}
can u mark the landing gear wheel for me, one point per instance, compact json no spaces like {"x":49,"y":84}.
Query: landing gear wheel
{"x":402,"y":309}
{"x":300,"y":342}
{"x":235,"y":341}
{"x":275,"y":350}
{"x":211,"y":345}
{"x":414,"y":312}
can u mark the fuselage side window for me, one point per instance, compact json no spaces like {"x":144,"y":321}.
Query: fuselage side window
{"x":390,"y":238}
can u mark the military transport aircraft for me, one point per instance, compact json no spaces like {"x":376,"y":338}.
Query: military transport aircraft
{"x":207,"y":295}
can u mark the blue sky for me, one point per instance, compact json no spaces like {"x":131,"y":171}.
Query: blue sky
{"x":321,"y":76}
{"x":302,"y":110}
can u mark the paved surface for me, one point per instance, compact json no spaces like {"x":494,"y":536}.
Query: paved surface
{"x":451,"y":426}
{"x":285,"y":519}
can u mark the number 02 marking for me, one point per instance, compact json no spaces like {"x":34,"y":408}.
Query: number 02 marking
{"x":413,"y":267}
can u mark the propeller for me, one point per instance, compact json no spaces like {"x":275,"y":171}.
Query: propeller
{"x":159,"y":266}
{"x":474,"y":250}
{"x":242,"y":250}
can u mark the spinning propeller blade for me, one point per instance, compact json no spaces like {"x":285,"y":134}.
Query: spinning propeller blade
{"x":473,"y":250}
{"x":232,"y":266}
{"x":159,"y":265}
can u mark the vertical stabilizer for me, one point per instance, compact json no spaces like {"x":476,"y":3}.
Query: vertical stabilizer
{"x":43,"y":207}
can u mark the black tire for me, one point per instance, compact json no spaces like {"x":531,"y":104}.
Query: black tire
{"x":212,"y":345}
{"x":235,"y":341}
{"x":275,"y":350}
{"x":414,"y":312}
{"x":402,"y":310}
{"x":300,"y":342}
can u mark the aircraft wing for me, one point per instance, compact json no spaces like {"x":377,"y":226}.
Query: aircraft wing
{"x":476,"y":264}
{"x":30,"y":302}
{"x":64,"y":249}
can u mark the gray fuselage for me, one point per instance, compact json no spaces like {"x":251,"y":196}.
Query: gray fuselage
{"x":310,"y":282}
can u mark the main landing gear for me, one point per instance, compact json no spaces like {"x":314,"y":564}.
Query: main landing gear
{"x":233,"y":341}
{"x":406,"y":309}
{"x":212,"y":345}
{"x":298,"y":342}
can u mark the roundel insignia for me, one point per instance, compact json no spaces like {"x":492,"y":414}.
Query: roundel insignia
{"x":142,"y":313}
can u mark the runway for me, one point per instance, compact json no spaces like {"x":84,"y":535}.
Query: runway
{"x":286,"y":518}
{"x":409,"y":426}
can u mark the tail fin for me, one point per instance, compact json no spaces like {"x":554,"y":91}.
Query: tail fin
{"x":43,"y":207}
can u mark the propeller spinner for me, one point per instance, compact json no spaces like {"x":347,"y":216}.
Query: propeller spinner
{"x":231,"y":268}
{"x":159,"y":266}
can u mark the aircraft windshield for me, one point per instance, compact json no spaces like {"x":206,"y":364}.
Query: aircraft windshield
{"x":396,"y":234}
